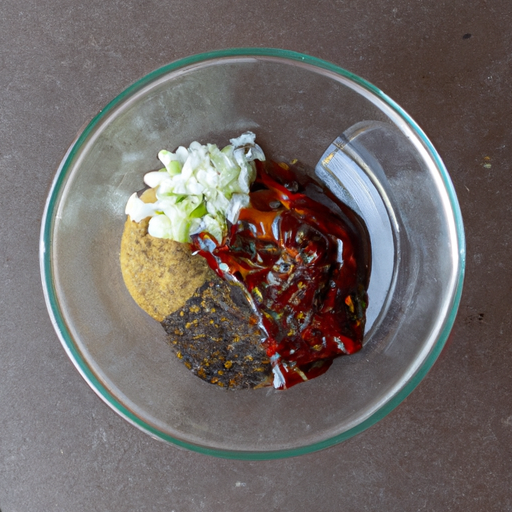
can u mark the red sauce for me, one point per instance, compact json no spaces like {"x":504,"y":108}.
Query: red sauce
{"x":303,"y":257}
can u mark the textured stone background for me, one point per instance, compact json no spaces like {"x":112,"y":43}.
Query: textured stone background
{"x":446,"y":447}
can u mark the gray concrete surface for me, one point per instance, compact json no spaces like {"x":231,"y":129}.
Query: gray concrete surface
{"x":448,"y":446}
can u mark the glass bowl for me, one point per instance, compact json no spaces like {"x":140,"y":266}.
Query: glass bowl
{"x":361,"y":143}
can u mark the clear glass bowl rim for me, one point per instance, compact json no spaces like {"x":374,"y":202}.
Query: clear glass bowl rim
{"x":58,"y":319}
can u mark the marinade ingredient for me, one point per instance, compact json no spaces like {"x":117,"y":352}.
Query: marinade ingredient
{"x":160,"y":274}
{"x":199,"y":189}
{"x":305,"y":265}
{"x":216,"y":335}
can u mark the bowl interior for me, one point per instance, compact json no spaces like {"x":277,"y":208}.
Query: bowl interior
{"x":297,"y":108}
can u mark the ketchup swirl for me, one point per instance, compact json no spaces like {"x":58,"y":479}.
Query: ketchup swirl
{"x":305,"y":265}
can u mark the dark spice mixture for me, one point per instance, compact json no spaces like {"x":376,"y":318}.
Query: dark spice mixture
{"x":216,"y":336}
